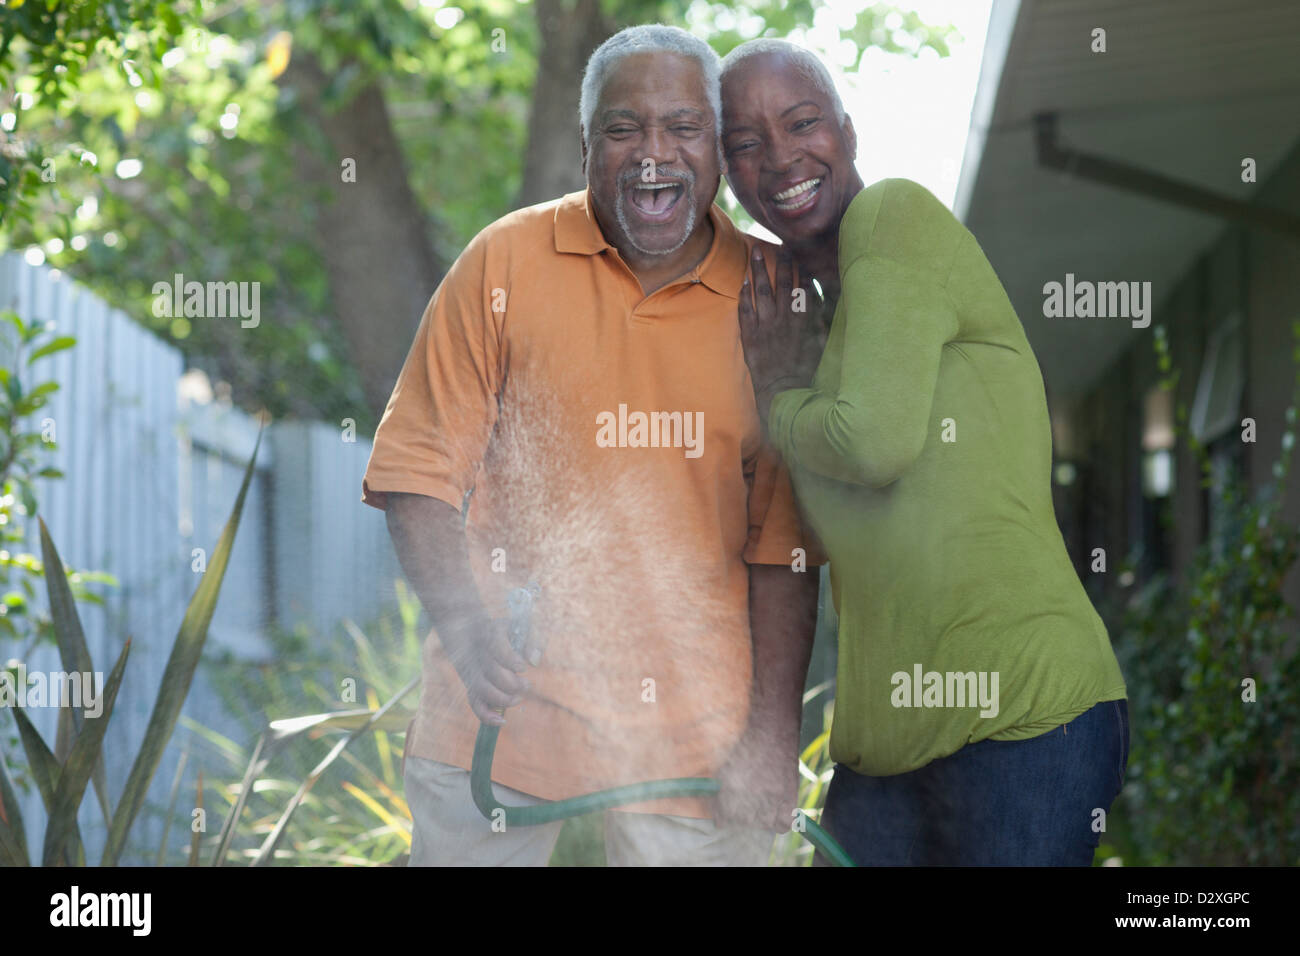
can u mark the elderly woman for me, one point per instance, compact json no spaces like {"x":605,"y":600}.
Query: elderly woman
{"x":980,"y":714}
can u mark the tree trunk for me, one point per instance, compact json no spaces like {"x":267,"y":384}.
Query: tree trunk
{"x":372,"y":233}
{"x":569,"y":32}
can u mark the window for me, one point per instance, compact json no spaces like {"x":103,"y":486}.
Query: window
{"x":1216,"y":409}
{"x":1158,"y":443}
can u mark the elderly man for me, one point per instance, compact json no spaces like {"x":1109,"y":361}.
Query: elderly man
{"x":575,"y":411}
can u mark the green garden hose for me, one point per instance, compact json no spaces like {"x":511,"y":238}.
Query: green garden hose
{"x":519,"y":604}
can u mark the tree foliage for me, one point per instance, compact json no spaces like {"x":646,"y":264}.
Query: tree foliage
{"x":181,"y":140}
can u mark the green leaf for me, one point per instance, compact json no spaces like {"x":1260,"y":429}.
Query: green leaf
{"x":256,"y":764}
{"x":195,"y":834}
{"x":44,"y":768}
{"x":339,"y":720}
{"x":73,"y":653}
{"x":170,"y":20}
{"x":171,"y":807}
{"x":80,"y":764}
{"x":176,"y":678}
{"x":33,"y":330}
{"x":54,"y":345}
{"x":13,"y":836}
{"x":267,"y":850}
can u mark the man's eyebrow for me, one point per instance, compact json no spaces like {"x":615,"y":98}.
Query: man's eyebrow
{"x":626,"y":114}
{"x":797,"y":105}
{"x":634,"y":115}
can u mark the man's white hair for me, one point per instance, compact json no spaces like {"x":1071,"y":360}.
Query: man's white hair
{"x":805,"y":61}
{"x":653,"y":38}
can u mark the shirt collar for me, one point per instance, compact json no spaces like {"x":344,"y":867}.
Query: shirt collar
{"x":722,"y":269}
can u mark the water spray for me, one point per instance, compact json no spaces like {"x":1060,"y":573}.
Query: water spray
{"x":519,"y":605}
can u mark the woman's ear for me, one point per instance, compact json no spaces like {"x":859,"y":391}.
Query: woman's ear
{"x":850,"y":135}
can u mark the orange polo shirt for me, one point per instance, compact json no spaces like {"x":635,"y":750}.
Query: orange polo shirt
{"x":613,"y":450}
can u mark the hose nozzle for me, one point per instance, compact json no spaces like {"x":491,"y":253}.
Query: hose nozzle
{"x":519,"y":605}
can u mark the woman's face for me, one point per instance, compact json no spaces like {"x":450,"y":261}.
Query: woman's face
{"x":788,"y":160}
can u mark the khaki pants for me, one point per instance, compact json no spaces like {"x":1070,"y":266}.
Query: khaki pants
{"x":449,"y":830}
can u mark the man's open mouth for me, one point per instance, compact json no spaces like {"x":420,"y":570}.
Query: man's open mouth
{"x":655,"y":201}
{"x":798,"y":196}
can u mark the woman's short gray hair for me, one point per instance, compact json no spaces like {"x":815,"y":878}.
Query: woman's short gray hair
{"x":805,"y":61}
{"x":653,"y":38}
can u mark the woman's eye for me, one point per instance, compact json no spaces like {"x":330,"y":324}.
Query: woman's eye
{"x":804,"y":124}
{"x":740,"y":148}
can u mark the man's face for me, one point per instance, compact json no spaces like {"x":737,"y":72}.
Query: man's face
{"x":789,"y":162}
{"x":653,"y":107}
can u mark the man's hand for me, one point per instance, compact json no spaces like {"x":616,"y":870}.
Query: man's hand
{"x":488,"y":667}
{"x":429,"y":537}
{"x":759,"y":784}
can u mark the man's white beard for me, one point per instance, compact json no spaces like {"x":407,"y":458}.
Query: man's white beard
{"x":620,"y":212}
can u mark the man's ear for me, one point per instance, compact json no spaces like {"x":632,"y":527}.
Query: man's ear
{"x":582,"y":141}
{"x":851,"y":135}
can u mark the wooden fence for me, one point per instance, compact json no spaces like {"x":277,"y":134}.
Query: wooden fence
{"x":151,"y":474}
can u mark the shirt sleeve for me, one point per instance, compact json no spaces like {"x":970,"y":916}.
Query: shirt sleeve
{"x":433,"y":434}
{"x":898,"y":317}
{"x":776,"y":528}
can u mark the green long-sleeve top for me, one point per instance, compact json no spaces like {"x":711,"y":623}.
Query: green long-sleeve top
{"x":922,"y":456}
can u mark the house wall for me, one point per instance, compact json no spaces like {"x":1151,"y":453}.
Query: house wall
{"x":1250,"y":269}
{"x":1273,"y":295}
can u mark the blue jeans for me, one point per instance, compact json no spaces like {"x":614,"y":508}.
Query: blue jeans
{"x":994,"y":803}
